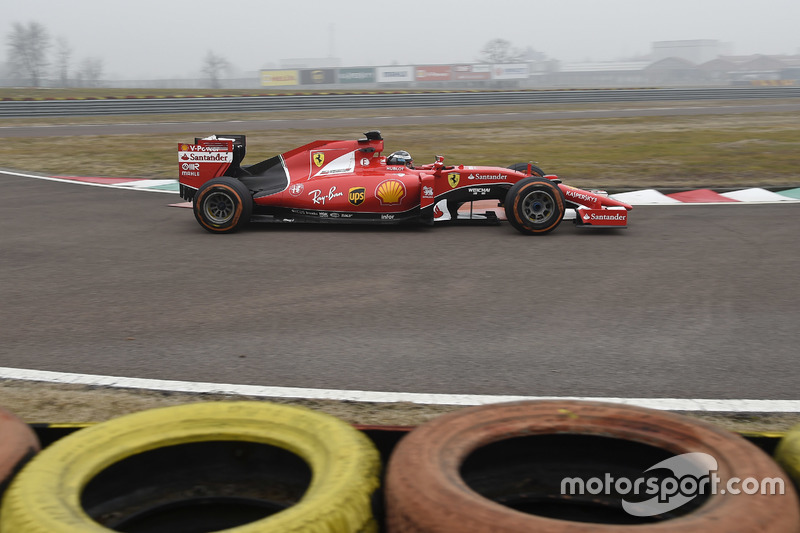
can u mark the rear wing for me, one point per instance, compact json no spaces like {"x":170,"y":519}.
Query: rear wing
{"x":208,"y":158}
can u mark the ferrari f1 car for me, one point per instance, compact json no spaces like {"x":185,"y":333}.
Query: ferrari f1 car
{"x":352,"y":182}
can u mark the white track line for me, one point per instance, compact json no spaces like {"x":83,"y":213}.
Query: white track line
{"x":635,"y":198}
{"x":667,"y":404}
{"x":80,"y":182}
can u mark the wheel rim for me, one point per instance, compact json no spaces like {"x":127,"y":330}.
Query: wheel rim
{"x":219,"y":207}
{"x":538,"y":206}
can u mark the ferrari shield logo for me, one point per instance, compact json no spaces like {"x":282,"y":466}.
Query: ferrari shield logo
{"x":319,"y":158}
{"x":453,"y":178}
{"x":356,"y":195}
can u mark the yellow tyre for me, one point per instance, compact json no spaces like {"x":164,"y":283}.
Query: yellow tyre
{"x":157,"y":468}
{"x":787,"y":454}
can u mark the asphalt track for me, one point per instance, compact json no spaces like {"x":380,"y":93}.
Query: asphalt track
{"x":692,"y":301}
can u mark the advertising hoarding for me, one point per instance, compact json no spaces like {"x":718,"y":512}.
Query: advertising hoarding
{"x":272,"y":78}
{"x":317,"y":76}
{"x":472,"y":72}
{"x":511,"y":71}
{"x":434,"y":73}
{"x":395,"y":74}
{"x":357,"y":75}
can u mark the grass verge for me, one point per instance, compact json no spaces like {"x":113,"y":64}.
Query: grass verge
{"x":714,"y":151}
{"x":44,"y":402}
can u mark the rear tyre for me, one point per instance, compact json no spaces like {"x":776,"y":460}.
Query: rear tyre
{"x":534,"y":206}
{"x":523,"y":167}
{"x":223,"y":205}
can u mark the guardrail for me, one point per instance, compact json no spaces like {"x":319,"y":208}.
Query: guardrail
{"x":245,"y":104}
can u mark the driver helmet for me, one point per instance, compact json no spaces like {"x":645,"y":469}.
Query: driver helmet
{"x":400,"y":157}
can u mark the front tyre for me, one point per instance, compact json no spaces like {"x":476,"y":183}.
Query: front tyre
{"x":534,"y":206}
{"x":523,"y":167}
{"x":223,"y":205}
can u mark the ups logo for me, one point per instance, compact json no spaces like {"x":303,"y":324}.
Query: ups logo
{"x":357,"y":195}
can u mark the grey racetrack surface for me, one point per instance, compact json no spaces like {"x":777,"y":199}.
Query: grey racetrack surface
{"x":690,"y":301}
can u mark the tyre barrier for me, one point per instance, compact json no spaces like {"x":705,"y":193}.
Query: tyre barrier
{"x":247,"y":466}
{"x":18,"y":444}
{"x":502,"y":468}
{"x":787,"y":454}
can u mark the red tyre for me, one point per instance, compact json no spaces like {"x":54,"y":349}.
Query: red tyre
{"x":18,"y":443}
{"x":501,"y":468}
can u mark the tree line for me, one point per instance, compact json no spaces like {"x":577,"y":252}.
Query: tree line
{"x":33,"y":57}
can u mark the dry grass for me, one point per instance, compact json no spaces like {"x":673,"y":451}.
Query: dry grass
{"x":756,"y":149}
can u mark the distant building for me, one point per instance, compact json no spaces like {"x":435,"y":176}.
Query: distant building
{"x":605,"y":74}
{"x":673,"y":71}
{"x":311,"y":62}
{"x":751,"y":69}
{"x":697,"y":51}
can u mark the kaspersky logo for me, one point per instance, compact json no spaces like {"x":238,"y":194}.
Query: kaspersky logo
{"x":571,"y":193}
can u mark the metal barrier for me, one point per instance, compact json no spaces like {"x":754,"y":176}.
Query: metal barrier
{"x":244,"y":104}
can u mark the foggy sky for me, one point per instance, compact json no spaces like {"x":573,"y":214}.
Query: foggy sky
{"x":163,"y":38}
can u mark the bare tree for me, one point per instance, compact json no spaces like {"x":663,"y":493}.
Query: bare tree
{"x":500,"y":51}
{"x":63,"y":56}
{"x":27,"y":51}
{"x":213,"y":67}
{"x":90,"y":72}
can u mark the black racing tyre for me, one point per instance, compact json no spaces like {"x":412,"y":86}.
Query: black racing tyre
{"x":534,"y":206}
{"x":223,"y":205}
{"x":182,"y":468}
{"x":523,"y":167}
{"x":501,"y":468}
{"x":787,"y":454}
{"x":18,"y":444}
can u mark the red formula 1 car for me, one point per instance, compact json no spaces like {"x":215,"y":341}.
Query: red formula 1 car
{"x":351,"y":181}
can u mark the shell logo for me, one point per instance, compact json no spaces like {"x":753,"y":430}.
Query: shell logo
{"x":390,"y":192}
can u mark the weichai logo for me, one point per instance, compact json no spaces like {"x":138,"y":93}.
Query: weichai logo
{"x":356,"y":195}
